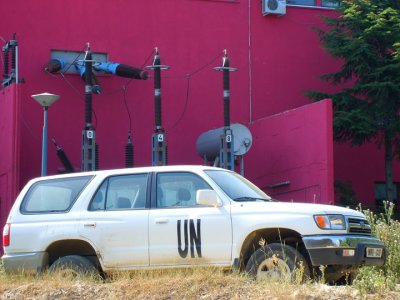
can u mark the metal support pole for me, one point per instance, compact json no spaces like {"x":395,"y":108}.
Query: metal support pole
{"x":88,"y":134}
{"x":159,"y":143}
{"x":88,"y":89}
{"x":45,"y":100}
{"x":226,"y":148}
{"x":16,"y":62}
{"x":44,"y":142}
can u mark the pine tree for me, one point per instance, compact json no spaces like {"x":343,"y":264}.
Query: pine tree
{"x":366,"y":37}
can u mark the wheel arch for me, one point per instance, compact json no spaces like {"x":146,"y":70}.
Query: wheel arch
{"x":255,"y":240}
{"x":67,"y":247}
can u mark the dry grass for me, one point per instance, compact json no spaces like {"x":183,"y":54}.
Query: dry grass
{"x":191,"y":283}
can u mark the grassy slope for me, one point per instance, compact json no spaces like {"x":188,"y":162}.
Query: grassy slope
{"x":195,"y":283}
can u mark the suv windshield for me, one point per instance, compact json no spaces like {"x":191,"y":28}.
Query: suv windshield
{"x":237,"y":187}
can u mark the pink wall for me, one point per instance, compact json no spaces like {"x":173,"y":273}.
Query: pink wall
{"x":294,"y":147}
{"x":277,"y":59}
{"x":9,"y":158}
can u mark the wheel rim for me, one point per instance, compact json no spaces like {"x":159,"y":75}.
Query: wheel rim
{"x":273,"y":268}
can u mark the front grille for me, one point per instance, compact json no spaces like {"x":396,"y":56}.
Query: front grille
{"x":359,"y":226}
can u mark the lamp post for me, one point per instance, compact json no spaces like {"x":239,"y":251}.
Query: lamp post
{"x":45,"y":100}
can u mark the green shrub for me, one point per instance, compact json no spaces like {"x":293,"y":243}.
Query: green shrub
{"x":380,"y":279}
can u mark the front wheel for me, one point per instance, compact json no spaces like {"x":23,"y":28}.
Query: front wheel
{"x":278,"y":262}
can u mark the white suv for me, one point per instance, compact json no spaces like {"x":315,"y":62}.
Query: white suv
{"x":179,"y":216}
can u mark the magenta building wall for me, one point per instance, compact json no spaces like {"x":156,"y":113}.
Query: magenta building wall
{"x":9,"y":154}
{"x":292,"y":158}
{"x":278,"y":58}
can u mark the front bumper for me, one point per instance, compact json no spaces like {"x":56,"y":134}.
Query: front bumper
{"x":329,"y":250}
{"x":26,"y":262}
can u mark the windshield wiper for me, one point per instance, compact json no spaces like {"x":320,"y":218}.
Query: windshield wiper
{"x":245,"y":198}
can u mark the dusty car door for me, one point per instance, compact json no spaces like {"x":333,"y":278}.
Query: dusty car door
{"x":116,"y":221}
{"x":183,"y":233}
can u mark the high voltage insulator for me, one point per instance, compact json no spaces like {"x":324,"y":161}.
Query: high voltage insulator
{"x":90,"y":159}
{"x":68,"y":168}
{"x":96,"y":88}
{"x":96,"y":160}
{"x":6,"y":62}
{"x":54,"y":65}
{"x":159,"y":144}
{"x":121,"y":70}
{"x":129,"y":155}
{"x":11,"y":47}
{"x":88,"y":88}
{"x":129,"y":152}
{"x":226,"y":150}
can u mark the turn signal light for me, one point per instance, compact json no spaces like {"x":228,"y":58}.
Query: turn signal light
{"x":322,"y":222}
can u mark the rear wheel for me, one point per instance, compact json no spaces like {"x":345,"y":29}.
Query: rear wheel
{"x":74,"y":266}
{"x":278,"y":262}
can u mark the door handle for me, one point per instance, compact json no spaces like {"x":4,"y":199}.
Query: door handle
{"x":161,"y":221}
{"x":91,"y":225}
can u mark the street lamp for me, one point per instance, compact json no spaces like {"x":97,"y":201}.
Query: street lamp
{"x":45,"y":100}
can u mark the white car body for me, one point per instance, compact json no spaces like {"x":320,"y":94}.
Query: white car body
{"x":159,"y":233}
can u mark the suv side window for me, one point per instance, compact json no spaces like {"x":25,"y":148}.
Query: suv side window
{"x":53,"y":195}
{"x":178,"y":189}
{"x":121,"y":192}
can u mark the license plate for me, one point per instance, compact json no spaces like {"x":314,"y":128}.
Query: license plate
{"x":374,"y":252}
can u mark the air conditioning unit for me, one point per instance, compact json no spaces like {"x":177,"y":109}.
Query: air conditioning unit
{"x":277,"y":7}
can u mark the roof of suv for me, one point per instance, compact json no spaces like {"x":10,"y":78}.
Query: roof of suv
{"x":133,"y":170}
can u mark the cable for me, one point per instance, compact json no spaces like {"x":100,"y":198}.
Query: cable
{"x":76,"y":58}
{"x":185,"y":106}
{"x":188,"y":76}
{"x":31,"y":133}
{"x":125,"y":87}
{"x":71,"y":85}
{"x":206,"y":65}
{"x":127,"y":108}
{"x":78,"y":92}
{"x":141,"y":67}
{"x":129,"y":148}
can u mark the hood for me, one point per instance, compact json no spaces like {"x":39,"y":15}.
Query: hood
{"x":296,"y":208}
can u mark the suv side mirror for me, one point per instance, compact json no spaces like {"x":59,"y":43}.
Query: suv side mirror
{"x":208,"y":197}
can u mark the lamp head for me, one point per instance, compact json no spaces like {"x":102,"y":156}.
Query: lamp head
{"x":45,"y":99}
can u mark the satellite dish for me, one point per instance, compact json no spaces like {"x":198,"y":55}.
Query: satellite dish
{"x":208,"y":143}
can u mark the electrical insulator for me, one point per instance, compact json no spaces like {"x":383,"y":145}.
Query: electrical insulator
{"x":166,"y":155}
{"x":96,"y":161}
{"x":54,"y":65}
{"x":129,"y":155}
{"x":121,"y":70}
{"x":6,"y":62}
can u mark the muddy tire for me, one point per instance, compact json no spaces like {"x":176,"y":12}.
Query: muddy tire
{"x":74,"y":265}
{"x":278,"y":262}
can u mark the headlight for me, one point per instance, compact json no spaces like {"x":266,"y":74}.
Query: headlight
{"x":334,"y":222}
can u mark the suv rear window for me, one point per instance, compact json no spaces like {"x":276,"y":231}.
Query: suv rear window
{"x":53,"y":195}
